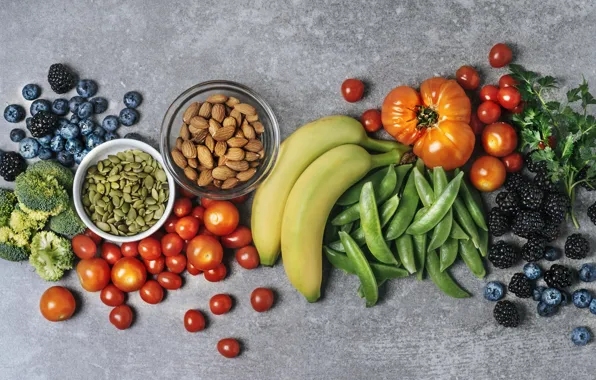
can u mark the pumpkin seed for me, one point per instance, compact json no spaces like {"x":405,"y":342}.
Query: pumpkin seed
{"x":103,"y":226}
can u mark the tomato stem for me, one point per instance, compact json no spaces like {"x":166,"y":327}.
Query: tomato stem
{"x":426,"y":116}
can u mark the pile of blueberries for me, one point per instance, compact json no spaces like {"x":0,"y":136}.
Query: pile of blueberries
{"x":75,"y":134}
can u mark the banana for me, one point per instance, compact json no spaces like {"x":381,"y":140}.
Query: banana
{"x":309,"y":204}
{"x":296,"y":153}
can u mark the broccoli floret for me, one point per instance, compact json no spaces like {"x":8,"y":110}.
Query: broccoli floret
{"x":67,"y":223}
{"x":54,"y":169}
{"x":7,"y":203}
{"x":34,"y":214}
{"x":39,"y":193}
{"x":50,"y":255}
{"x":20,"y":221}
{"x":13,"y":246}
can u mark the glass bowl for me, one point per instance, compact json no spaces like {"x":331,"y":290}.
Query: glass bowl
{"x":173,"y":120}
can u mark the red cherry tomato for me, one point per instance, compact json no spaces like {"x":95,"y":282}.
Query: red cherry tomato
{"x":241,"y":237}
{"x":541,"y":145}
{"x":204,"y":252}
{"x":170,"y":224}
{"x":488,"y":112}
{"x":110,"y":252}
{"x":228,"y":347}
{"x":155,"y":266}
{"x":186,"y":194}
{"x":518,"y":109}
{"x":216,"y":274}
{"x":507,"y":81}
{"x":509,"y":97}
{"x":206,"y":202}
{"x":192,"y":269}
{"x":489,"y":93}
{"x":203,"y":231}
{"x":221,"y":218}
{"x":475,"y":123}
{"x":84,"y":247}
{"x":500,"y":55}
{"x":151,"y":292}
{"x":130,"y":249}
{"x":121,"y":317}
{"x":239,"y":200}
{"x":129,"y":274}
{"x":220,"y":304}
{"x":487,"y":173}
{"x":352,"y":90}
{"x":176,"y":264}
{"x":248,"y":257}
{"x":172,"y":244}
{"x":182,"y":207}
{"x":112,"y":296}
{"x":157,"y":235}
{"x":261,"y":299}
{"x":371,"y":120}
{"x":169,"y":280}
{"x":95,"y":237}
{"x":187,"y":227}
{"x":149,"y":248}
{"x":499,"y":139}
{"x":513,"y":162}
{"x":194,"y":321}
{"x":467,"y":77}
{"x":198,"y":212}
{"x":94,"y":274}
{"x":57,"y":304}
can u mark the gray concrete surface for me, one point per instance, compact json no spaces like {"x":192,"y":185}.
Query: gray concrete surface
{"x":296,"y":54}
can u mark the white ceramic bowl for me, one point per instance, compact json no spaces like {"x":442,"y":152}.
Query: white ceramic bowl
{"x":100,"y":153}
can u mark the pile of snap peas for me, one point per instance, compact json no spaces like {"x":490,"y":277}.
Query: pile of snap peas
{"x":428,"y":217}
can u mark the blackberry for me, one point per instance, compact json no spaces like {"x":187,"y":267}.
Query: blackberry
{"x":520,"y":285}
{"x":576,"y":247}
{"x":498,"y":222}
{"x":534,"y":248}
{"x":588,"y":185}
{"x":502,"y":255}
{"x":506,"y":314}
{"x":558,"y":276}
{"x":550,"y":231}
{"x":526,"y":223}
{"x":60,"y":78}
{"x":514,"y":182}
{"x":534,"y":165}
{"x":507,"y":202}
{"x":11,"y":165}
{"x":555,"y":206}
{"x":592,"y":213}
{"x":43,"y":124}
{"x":530,"y":197}
{"x":542,"y":181}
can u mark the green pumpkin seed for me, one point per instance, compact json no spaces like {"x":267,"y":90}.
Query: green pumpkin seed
{"x":155,"y":194}
{"x":103,"y":226}
{"x":149,"y":182}
{"x":116,"y":201}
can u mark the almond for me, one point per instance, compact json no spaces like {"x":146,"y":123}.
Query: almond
{"x":217,"y":98}
{"x":229,"y":121}
{"x":213,"y":126}
{"x":251,"y":156}
{"x":193,"y":163}
{"x":245,"y":109}
{"x":200,"y":137}
{"x":229,"y":183}
{"x":220,"y":148}
{"x":217,"y":183}
{"x":179,"y":159}
{"x":191,"y":112}
{"x":237,"y":142}
{"x":246,"y":175}
{"x":248,"y":131}
{"x":205,"y":178}
{"x":222,"y":173}
{"x":253,"y":145}
{"x":261,"y":153}
{"x":199,"y":122}
{"x":204,"y":156}
{"x":235,"y":154}
{"x":221,"y":161}
{"x":252,"y":118}
{"x":239,"y":133}
{"x":179,"y":142}
{"x":190,"y":173}
{"x":209,"y":143}
{"x":238,"y":166}
{"x":218,"y":112}
{"x":236,"y":115}
{"x":258,"y":126}
{"x":232,"y":101}
{"x":205,"y":110}
{"x":254,"y":164}
{"x":184,"y":132}
{"x":224,"y":133}
{"x":201,"y":168}
{"x":189,"y":150}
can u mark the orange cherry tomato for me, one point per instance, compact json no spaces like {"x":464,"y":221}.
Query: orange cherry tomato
{"x":84,"y":247}
{"x":176,"y":264}
{"x":155,"y":266}
{"x":194,"y":321}
{"x":151,"y":292}
{"x":170,"y":224}
{"x":488,"y":112}
{"x":436,"y":121}
{"x":129,"y":274}
{"x":499,"y":139}
{"x":110,"y":252}
{"x":509,"y":97}
{"x":352,"y":90}
{"x":112,"y":296}
{"x":94,"y":274}
{"x":507,"y":81}
{"x":206,"y":202}
{"x":513,"y":162}
{"x":182,"y":207}
{"x":204,"y":252}
{"x":130,"y":249}
{"x":371,"y":120}
{"x":150,"y":248}
{"x":487,"y":173}
{"x":57,"y":304}
{"x":228,"y":347}
{"x":489,"y":93}
{"x":95,"y":237}
{"x":169,"y":280}
{"x":241,"y":237}
{"x":467,"y":77}
{"x":192,"y":269}
{"x":248,"y":257}
{"x":261,"y":299}
{"x":476,"y":125}
{"x":221,"y":218}
{"x":216,"y":274}
{"x":500,"y":55}
{"x":187,"y":227}
{"x":220,"y":304}
{"x":121,"y":317}
{"x":172,"y":244}
{"x":198,"y":212}
{"x":239,"y":200}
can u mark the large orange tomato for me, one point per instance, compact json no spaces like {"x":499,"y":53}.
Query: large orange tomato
{"x":436,"y":120}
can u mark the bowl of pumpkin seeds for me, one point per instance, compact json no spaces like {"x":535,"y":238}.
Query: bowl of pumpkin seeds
{"x":122,"y":191}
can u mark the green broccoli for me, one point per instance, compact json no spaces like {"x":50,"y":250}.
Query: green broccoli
{"x":67,"y":223}
{"x":39,"y":193}
{"x":54,"y":169}
{"x":34,"y":214}
{"x":50,"y":255}
{"x":7,"y":203}
{"x":13,"y":246}
{"x":20,"y":221}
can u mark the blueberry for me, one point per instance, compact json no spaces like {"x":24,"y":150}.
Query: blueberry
{"x":551,"y":254}
{"x":86,"y":88}
{"x":74,"y":103}
{"x":493,"y":291}
{"x":85,"y":110}
{"x":110,"y":136}
{"x":45,"y":141}
{"x":60,"y":106}
{"x":65,"y":158}
{"x":551,"y":297}
{"x":532,"y":271}
{"x":87,"y":127}
{"x":62,"y":122}
{"x":29,"y":147}
{"x":45,"y":153}
{"x":564,"y":298}
{"x":128,"y":117}
{"x":69,"y":131}
{"x":99,"y":131}
{"x":73,"y":146}
{"x":110,"y":123}
{"x":14,"y":113}
{"x":28,"y":122}
{"x":593,"y":306}
{"x":31,"y":91}
{"x":17,"y":135}
{"x":57,"y":144}
{"x":537,"y":293}
{"x":93,"y":140}
{"x":40,"y":105}
{"x":580,"y":336}
{"x":100,"y":105}
{"x":587,"y":273}
{"x":75,"y":119}
{"x":545,"y":310}
{"x":78,"y":157}
{"x":581,"y":298}
{"x":132,"y":99}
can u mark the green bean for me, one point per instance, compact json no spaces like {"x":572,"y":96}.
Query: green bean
{"x":405,"y":211}
{"x":384,"y":191}
{"x":352,"y":195}
{"x":457,"y":232}
{"x":405,"y":251}
{"x":448,"y":253}
{"x":371,"y":226}
{"x":339,"y":260}
{"x":361,"y":268}
{"x":347,"y":228}
{"x":483,"y":242}
{"x":473,"y":203}
{"x":472,"y":258}
{"x":438,"y":210}
{"x":443,"y":229}
{"x":443,"y":280}
{"x":420,"y":251}
{"x":425,"y":192}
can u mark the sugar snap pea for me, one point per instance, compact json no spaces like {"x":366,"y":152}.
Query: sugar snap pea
{"x":420,"y":248}
{"x":420,"y":165}
{"x":338,"y":260}
{"x":383,"y":273}
{"x":425,"y":192}
{"x":443,"y":228}
{"x":352,"y":195}
{"x":448,"y":253}
{"x":371,"y":226}
{"x":473,"y":203}
{"x":472,"y":258}
{"x":330,"y":233}
{"x":465,"y":221}
{"x":457,"y":232}
{"x":483,"y":242}
{"x":405,"y":211}
{"x":443,"y":280}
{"x":361,"y":268}
{"x":347,"y":228}
{"x":405,"y":251}
{"x":401,"y":173}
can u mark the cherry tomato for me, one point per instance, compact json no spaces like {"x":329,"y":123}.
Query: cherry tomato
{"x":112,"y":296}
{"x":261,"y":299}
{"x":95,"y":237}
{"x":204,"y":252}
{"x":248,"y":257}
{"x":170,"y":223}
{"x":182,"y":207}
{"x":198,"y":212}
{"x":518,"y":109}
{"x":194,"y":321}
{"x":206,"y":202}
{"x":186,"y":194}
{"x":203,"y":231}
{"x":513,"y":162}
{"x":509,"y":97}
{"x":241,"y":237}
{"x":487,"y":173}
{"x":239,"y":200}
{"x":94,"y":274}
{"x":84,"y":247}
{"x":216,"y":274}
{"x":228,"y":347}
{"x":57,"y":304}
{"x":507,"y":81}
{"x":169,"y":280}
{"x":489,"y":112}
{"x":151,"y":292}
{"x":352,"y":90}
{"x":155,"y":266}
{"x":129,"y":274}
{"x":489,"y":93}
{"x":541,"y":145}
{"x":121,"y":317}
{"x":221,"y":218}
{"x":176,"y":264}
{"x":149,"y":248}
{"x":130,"y":249}
{"x":192,"y":269}
{"x":110,"y":252}
{"x":157,"y":235}
{"x":467,"y":77}
{"x":499,"y":139}
{"x":187,"y":227}
{"x":172,"y":244}
{"x":220,"y":304}
{"x":499,"y":55}
{"x":371,"y":120}
{"x":475,"y":123}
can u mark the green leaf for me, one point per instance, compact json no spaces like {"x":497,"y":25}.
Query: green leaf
{"x":573,"y":95}
{"x":553,"y":106}
{"x":547,"y":82}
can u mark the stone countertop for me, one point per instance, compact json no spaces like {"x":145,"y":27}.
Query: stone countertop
{"x":295,"y":54}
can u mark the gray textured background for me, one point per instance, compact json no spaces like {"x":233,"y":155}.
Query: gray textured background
{"x":296,"y":54}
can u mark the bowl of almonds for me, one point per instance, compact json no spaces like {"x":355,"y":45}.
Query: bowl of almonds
{"x":219,"y":139}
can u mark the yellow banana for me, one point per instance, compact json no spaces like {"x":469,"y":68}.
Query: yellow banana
{"x":297,"y":152}
{"x":309,"y":205}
